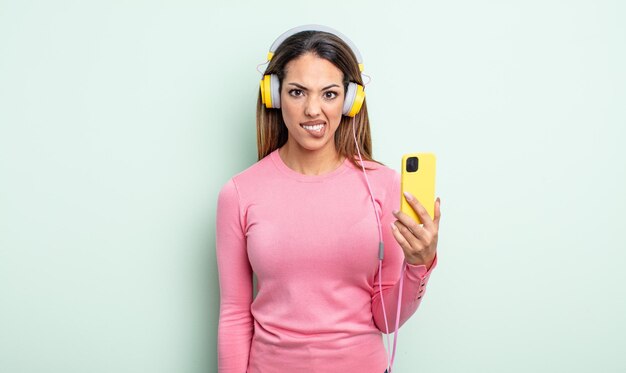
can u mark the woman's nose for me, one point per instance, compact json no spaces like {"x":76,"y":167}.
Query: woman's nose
{"x":313,"y":107}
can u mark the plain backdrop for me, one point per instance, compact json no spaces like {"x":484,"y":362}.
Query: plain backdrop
{"x":121,"y":120}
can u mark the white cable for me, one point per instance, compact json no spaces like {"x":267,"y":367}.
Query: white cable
{"x":380,"y":236}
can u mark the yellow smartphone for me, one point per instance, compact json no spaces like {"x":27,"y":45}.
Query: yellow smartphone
{"x":418,"y":178}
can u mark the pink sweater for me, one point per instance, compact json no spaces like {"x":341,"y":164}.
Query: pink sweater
{"x":313,"y":243}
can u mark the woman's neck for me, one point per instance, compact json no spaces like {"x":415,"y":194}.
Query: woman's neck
{"x":309,"y":162}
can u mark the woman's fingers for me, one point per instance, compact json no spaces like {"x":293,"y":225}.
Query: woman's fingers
{"x":407,"y":241}
{"x":437,"y":213}
{"x":418,"y":241}
{"x":414,"y":233}
{"x":416,"y":251}
{"x":410,"y":234}
{"x":419,"y":210}
{"x":404,"y":244}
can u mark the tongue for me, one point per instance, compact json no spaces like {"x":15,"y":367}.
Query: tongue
{"x":317,"y":134}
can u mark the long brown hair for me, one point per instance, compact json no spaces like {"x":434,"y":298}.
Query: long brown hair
{"x":271,"y":129}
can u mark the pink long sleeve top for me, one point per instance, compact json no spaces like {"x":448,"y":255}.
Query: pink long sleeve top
{"x":312,"y":242}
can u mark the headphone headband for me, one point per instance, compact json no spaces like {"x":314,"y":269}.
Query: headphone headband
{"x":314,"y":27}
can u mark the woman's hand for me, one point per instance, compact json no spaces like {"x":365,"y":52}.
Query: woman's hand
{"x":418,"y":241}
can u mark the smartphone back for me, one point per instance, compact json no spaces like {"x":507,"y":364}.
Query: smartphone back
{"x":418,"y":178}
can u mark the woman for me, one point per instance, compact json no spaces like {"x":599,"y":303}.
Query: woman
{"x":304,"y":220}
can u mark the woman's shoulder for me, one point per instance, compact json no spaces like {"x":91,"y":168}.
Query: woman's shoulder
{"x":255,"y":171}
{"x":377,"y":170}
{"x":254,"y":174}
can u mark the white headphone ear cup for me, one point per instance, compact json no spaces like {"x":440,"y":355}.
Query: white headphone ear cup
{"x":275,"y":91}
{"x":349,"y":99}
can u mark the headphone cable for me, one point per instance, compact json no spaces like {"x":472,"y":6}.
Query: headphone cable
{"x":380,"y":261}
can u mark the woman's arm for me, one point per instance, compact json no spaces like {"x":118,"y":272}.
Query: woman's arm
{"x":415,"y":276}
{"x":235,"y":276}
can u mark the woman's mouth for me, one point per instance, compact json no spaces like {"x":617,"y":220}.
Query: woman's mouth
{"x":316,"y":130}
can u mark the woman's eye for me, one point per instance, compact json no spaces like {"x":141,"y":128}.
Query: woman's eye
{"x":330,"y":95}
{"x":295,"y":92}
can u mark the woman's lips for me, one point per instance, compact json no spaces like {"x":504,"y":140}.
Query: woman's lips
{"x":316,"y":129}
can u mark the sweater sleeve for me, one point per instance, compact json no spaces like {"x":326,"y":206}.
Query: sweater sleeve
{"x":415,"y":276}
{"x":236,"y":326}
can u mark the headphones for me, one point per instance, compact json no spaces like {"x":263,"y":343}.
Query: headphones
{"x":355,"y":94}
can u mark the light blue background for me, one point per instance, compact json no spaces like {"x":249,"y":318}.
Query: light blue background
{"x":121,"y":120}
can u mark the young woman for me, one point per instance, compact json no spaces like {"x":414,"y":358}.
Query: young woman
{"x":307,"y":220}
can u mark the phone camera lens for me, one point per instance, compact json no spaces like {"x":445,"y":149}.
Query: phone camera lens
{"x":412,"y":164}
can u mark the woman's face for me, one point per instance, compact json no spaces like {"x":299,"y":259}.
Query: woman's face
{"x":311,"y":100}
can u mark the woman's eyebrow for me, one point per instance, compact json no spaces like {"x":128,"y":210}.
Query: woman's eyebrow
{"x":305,"y":88}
